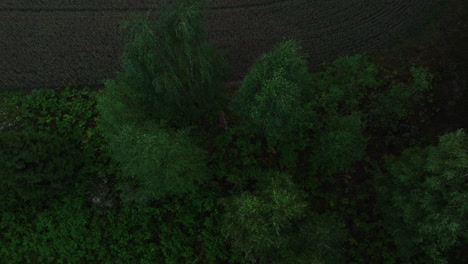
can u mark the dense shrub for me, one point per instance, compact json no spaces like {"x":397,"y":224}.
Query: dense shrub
{"x":66,"y":112}
{"x":36,"y":166}
{"x":69,"y":232}
{"x":424,"y":200}
{"x":8,"y":113}
{"x":177,"y":230}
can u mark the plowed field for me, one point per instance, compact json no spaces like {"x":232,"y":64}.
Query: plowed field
{"x":51,"y":43}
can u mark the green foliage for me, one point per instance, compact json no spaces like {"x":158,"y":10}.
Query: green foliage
{"x":399,"y":102}
{"x":342,"y":87}
{"x":36,"y":166}
{"x":273,"y":223}
{"x":338,"y":147}
{"x":117,"y":107}
{"x":270,"y":98}
{"x":350,"y":88}
{"x":69,"y":232}
{"x":332,"y":132}
{"x":63,"y":120}
{"x":160,"y":162}
{"x":171,"y":73}
{"x":331,"y":124}
{"x":8,"y":113}
{"x":277,"y":106}
{"x":68,"y":112}
{"x":350,"y":84}
{"x":170,"y":82}
{"x":424,"y":200}
{"x":236,"y":148}
{"x":315,"y":126}
{"x":172,"y":231}
{"x":449,"y":160}
{"x":191,"y":232}
{"x":316,"y":238}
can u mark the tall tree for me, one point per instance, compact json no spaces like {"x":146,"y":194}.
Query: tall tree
{"x":275,"y":225}
{"x":172,"y":73}
{"x":170,"y":83}
{"x":270,"y":98}
{"x":424,"y":199}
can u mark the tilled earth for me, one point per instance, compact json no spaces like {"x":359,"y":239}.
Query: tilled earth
{"x":53,"y":43}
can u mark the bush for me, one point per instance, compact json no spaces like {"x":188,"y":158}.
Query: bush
{"x":69,"y":232}
{"x":423,"y":198}
{"x":171,"y":231}
{"x":67,"y":112}
{"x":37,"y":166}
{"x":8,"y":113}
